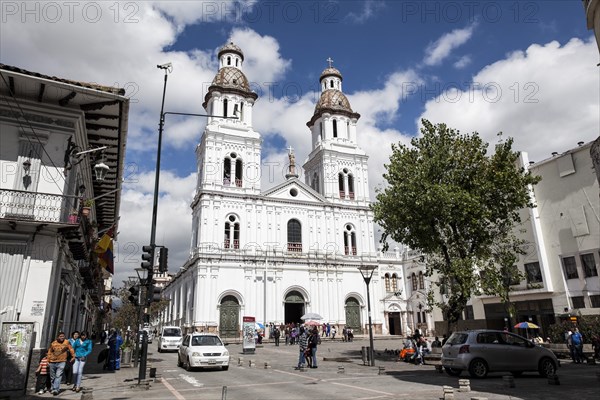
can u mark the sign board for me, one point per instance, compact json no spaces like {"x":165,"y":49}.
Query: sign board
{"x":16,"y":342}
{"x":248,"y":329}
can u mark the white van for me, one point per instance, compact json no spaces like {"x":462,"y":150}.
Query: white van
{"x":170,"y":338}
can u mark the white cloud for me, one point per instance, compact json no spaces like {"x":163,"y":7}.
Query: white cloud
{"x":369,"y":10}
{"x":437,"y":51}
{"x":462,"y":62}
{"x":545,"y":97}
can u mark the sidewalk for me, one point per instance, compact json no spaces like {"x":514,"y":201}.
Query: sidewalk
{"x":95,"y":379}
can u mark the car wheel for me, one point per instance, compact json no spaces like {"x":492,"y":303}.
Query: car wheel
{"x":225,"y":367}
{"x":453,"y":371}
{"x":188,"y":365}
{"x":179,"y":363}
{"x":478,"y":368}
{"x":547,"y":367}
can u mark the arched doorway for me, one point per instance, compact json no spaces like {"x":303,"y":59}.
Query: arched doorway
{"x":353,"y":315}
{"x":229,"y":317}
{"x":294,"y":307}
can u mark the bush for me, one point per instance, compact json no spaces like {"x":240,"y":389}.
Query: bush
{"x":589,"y":326}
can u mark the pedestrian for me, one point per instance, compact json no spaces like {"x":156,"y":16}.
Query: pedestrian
{"x":569,"y":341}
{"x":313,"y":342}
{"x":302,"y":345}
{"x":68,"y":372}
{"x":436,"y":343}
{"x":333,"y":332}
{"x":577,"y":343}
{"x":42,"y":384}
{"x":83,"y":348}
{"x":344,"y":334}
{"x":596,"y":345}
{"x":328,"y":330}
{"x":287,"y":334}
{"x":350,"y":335}
{"x":293,"y":335}
{"x":114,"y":357}
{"x":444,"y":339}
{"x":276,"y":335}
{"x":57,"y":358}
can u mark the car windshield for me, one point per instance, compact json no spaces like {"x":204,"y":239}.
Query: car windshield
{"x":457,"y":338}
{"x":206,"y":341}
{"x":172,"y":332}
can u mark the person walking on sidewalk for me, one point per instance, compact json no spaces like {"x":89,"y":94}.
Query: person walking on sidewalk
{"x":42,"y":383}
{"x":83,"y":348}
{"x":68,"y":372}
{"x":303,"y":344}
{"x":57,"y":358}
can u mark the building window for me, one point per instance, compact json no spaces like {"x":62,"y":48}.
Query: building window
{"x":238,"y":172}
{"x":236,"y":62}
{"x":534,"y":274}
{"x":578,"y":302}
{"x":387,"y":283}
{"x":232,"y":233}
{"x":421,"y":280}
{"x":570,"y":267}
{"x":589,"y":265}
{"x":394,"y":283}
{"x":334,"y":128}
{"x":228,"y":60}
{"x":349,"y":240}
{"x":341,"y":186}
{"x":595,"y":300}
{"x":227,"y":171}
{"x":225,"y":108}
{"x":469,"y":313}
{"x":294,"y":235}
{"x":413,"y":278}
{"x":351,"y":186}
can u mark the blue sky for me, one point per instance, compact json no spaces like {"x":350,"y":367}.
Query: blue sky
{"x":527,"y":68}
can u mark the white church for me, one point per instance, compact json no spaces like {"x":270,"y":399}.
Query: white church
{"x":277,"y":253}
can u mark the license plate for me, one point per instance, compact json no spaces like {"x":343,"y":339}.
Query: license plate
{"x":212,"y":361}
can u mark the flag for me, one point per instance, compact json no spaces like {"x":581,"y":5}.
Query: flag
{"x":104,"y":249}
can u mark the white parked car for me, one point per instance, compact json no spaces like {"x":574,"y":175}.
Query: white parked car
{"x":203,"y":350}
{"x":170,"y":338}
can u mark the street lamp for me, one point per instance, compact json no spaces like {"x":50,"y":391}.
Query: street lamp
{"x":367,"y":273}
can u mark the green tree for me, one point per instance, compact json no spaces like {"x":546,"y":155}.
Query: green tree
{"x":448,"y":199}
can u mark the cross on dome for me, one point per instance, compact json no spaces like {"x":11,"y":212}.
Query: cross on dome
{"x":330,"y":61}
{"x":290,"y":149}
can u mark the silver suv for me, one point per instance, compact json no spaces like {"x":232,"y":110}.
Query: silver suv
{"x":483,"y":351}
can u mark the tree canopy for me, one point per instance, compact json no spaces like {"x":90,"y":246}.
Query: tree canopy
{"x":448,"y":199}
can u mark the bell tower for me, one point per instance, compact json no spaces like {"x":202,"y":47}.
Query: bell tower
{"x":229,"y":152}
{"x":336,"y":167}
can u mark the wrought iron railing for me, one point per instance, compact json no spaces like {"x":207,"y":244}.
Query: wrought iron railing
{"x":35,"y":206}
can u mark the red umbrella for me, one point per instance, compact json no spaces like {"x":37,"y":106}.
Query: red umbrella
{"x":312,"y":323}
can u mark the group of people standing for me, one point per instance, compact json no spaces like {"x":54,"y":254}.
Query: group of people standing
{"x":308,"y":341}
{"x":63,"y":356}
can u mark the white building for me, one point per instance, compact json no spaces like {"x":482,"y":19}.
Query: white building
{"x":280,"y":252}
{"x":50,"y":275}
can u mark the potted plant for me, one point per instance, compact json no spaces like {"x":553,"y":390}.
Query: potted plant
{"x":87,"y":206}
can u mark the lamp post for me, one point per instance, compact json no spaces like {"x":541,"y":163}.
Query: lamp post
{"x":367,"y":273}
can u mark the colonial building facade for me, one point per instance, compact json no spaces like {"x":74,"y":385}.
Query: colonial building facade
{"x":278,"y":253}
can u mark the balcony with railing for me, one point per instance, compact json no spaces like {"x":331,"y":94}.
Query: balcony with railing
{"x":37,"y":207}
{"x":350,"y":250}
{"x":294,"y":247}
{"x":227,"y":244}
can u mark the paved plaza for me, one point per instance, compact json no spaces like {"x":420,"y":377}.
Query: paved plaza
{"x":341,"y":374}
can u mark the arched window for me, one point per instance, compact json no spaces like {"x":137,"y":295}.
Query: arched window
{"x":394,"y":283}
{"x":227,"y":171}
{"x":228,"y":60}
{"x":341,"y":186}
{"x":236,"y":62}
{"x":335,"y":128}
{"x":421,"y":280}
{"x":241,"y":116}
{"x":225,"y":108}
{"x":387,"y":282}
{"x":294,"y":235}
{"x":351,"y":186}
{"x":315,"y":182}
{"x":413,"y":278}
{"x":331,"y":83}
{"x":238,"y":172}
{"x":349,"y":240}
{"x":232,"y":233}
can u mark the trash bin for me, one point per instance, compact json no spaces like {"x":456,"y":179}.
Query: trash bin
{"x":126,"y":356}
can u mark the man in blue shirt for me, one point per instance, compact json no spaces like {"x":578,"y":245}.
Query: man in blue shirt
{"x":577,"y":342}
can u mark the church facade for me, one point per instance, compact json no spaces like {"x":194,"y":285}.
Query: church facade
{"x":297,"y":247}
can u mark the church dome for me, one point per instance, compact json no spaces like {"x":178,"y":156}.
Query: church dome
{"x":230,"y":80}
{"x":330,"y":71}
{"x":332,"y":101}
{"x":230,"y":48}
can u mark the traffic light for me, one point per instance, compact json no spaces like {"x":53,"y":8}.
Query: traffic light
{"x":148,"y":257}
{"x":133,"y":297}
{"x":146,"y":319}
{"x":163,"y":258}
{"x":154,"y":294}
